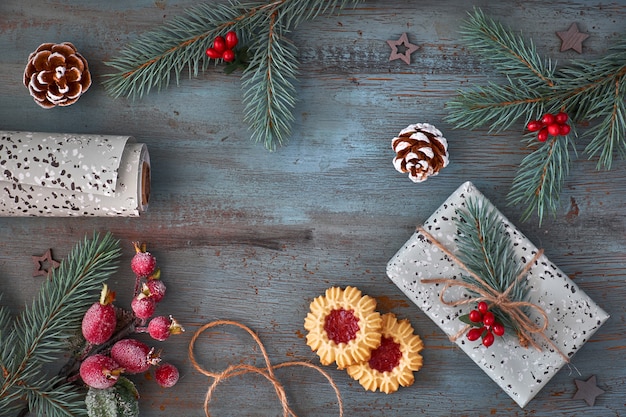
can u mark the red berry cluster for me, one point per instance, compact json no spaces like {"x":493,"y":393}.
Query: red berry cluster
{"x":129,"y":356}
{"x":550,"y":124}
{"x":223,"y":47}
{"x":486,"y":324}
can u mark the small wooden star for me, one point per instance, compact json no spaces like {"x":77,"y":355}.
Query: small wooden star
{"x":402,"y":49}
{"x":587,"y":390}
{"x":44,"y":264}
{"x":572,"y":39}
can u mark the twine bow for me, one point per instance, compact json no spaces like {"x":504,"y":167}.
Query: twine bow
{"x":242,"y":369}
{"x":514,"y":309}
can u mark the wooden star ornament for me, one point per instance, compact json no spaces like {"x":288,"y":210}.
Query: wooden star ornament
{"x":44,"y":264}
{"x":587,"y":390}
{"x":402,"y":49}
{"x":572,"y":38}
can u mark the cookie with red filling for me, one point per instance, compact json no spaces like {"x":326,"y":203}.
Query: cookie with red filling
{"x":343,"y":326}
{"x":392,"y":363}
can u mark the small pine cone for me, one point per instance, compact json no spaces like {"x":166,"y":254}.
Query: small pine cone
{"x":56,"y":74}
{"x":421,"y":151}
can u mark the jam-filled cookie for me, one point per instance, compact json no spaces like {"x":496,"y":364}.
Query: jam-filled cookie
{"x":343,"y":326}
{"x":391,"y":364}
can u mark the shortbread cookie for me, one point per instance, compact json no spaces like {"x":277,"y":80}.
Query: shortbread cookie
{"x":391,"y":364}
{"x":343,"y":326}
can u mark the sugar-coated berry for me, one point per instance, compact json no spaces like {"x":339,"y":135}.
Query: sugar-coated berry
{"x":154,"y":289}
{"x":231,"y":40}
{"x":547,"y":119}
{"x":554,"y":129}
{"x":143,"y":263}
{"x":143,"y":306}
{"x":534,"y":125}
{"x":161,"y":327}
{"x":134,"y":356}
{"x":475,"y":333}
{"x":542,"y":136}
{"x":100,"y":371}
{"x":488,"y":339}
{"x":564,"y":130}
{"x":483,"y":307}
{"x":561,"y":118}
{"x":100,"y":319}
{"x":219,"y":44}
{"x":498,"y":329}
{"x":475,"y":316}
{"x":489,"y":319}
{"x":166,"y":375}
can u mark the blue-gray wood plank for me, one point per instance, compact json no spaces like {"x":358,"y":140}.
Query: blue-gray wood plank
{"x":253,"y":236}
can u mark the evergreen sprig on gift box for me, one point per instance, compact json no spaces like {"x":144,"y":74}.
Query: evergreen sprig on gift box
{"x":268,"y":79}
{"x":591,"y":92}
{"x":40,"y":334}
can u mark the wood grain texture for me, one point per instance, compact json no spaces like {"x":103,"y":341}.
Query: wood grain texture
{"x":253,"y":236}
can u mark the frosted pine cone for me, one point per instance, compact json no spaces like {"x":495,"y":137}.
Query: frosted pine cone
{"x":421,"y":151}
{"x":56,"y":74}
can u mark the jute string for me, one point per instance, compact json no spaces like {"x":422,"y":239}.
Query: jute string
{"x":242,"y":369}
{"x":514,"y":309}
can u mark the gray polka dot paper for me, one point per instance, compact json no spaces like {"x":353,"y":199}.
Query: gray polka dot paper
{"x":51,"y":174}
{"x":520,"y":372}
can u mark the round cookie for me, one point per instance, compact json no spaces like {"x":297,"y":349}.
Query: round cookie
{"x":391,"y":364}
{"x":343,"y":326}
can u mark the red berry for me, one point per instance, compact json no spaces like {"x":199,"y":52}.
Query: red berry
{"x":154,"y":289}
{"x":166,"y":375}
{"x":143,"y":263}
{"x":534,"y":125}
{"x":564,"y":130}
{"x":489,"y":319}
{"x":475,"y":333}
{"x":547,"y":119}
{"x":213,"y":53}
{"x":542,"y":136}
{"x":100,"y":371}
{"x":219,"y":44}
{"x":554,"y":129}
{"x":161,"y":327}
{"x":483,"y":307}
{"x":228,"y":56}
{"x":488,"y":339}
{"x":100,"y":319}
{"x":231,"y":40}
{"x":561,"y":118}
{"x":143,"y":306}
{"x":498,"y":328}
{"x":134,"y":356}
{"x":475,"y":316}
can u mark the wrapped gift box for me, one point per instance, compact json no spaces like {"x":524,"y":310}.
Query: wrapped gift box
{"x":573,"y":317}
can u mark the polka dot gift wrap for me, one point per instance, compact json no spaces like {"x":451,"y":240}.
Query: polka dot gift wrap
{"x":521,"y":372}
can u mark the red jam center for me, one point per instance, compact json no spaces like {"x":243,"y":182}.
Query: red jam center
{"x":387,"y":356}
{"x":341,"y":325}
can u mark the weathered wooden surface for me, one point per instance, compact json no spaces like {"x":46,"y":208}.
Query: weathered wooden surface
{"x":253,"y":236}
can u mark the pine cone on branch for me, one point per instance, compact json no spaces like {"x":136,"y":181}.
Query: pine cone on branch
{"x":56,"y":75}
{"x":421,"y":151}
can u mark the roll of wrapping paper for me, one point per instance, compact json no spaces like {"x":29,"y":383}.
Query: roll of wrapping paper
{"x":56,"y":174}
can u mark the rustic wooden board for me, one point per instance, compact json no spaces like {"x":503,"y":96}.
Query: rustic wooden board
{"x":253,"y":236}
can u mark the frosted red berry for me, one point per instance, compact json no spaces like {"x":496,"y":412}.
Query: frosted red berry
{"x":143,"y":263}
{"x":154,"y":289}
{"x":100,"y":319}
{"x":134,"y":356}
{"x":100,"y":371}
{"x":143,"y":306}
{"x":161,"y":327}
{"x":166,"y":375}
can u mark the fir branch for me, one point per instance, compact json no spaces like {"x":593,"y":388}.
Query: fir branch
{"x":153,"y":58}
{"x":40,"y":333}
{"x":540,"y":179}
{"x":487,"y":250}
